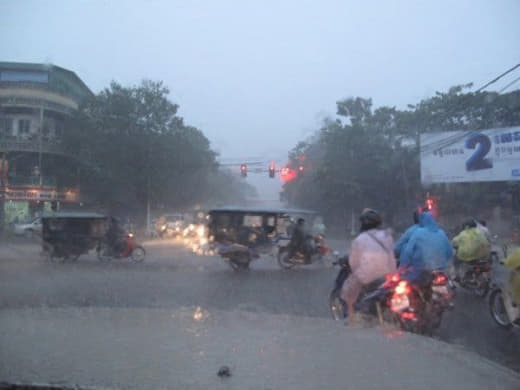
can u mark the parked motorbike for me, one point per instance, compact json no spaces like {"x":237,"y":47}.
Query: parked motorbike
{"x":131,"y":250}
{"x":414,"y":307}
{"x":317,"y":247}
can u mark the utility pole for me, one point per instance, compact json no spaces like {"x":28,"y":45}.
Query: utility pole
{"x":148,"y":205}
{"x":40,"y":146}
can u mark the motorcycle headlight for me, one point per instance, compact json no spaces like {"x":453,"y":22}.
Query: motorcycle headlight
{"x":130,"y":235}
{"x":191,"y":227}
{"x":163,"y":227}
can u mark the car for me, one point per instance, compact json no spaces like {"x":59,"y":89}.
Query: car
{"x":29,"y":228}
{"x":170,"y":225}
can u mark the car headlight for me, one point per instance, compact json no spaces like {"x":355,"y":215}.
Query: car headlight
{"x":163,"y":227}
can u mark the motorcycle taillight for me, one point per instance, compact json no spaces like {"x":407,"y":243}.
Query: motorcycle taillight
{"x":440,"y":280}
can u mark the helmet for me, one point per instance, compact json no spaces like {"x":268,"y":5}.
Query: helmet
{"x":370,"y":219}
{"x":470,"y":223}
{"x":300,"y":221}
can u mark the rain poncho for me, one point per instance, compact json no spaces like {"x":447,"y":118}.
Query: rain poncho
{"x":427,"y":249}
{"x":403,"y":240}
{"x":513,"y":263}
{"x":471,"y":245}
{"x":371,"y":256}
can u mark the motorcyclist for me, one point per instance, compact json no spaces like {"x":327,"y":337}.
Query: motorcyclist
{"x":428,"y":249}
{"x":471,"y":245}
{"x":298,"y":240}
{"x":405,"y":237}
{"x":512,"y":297}
{"x":371,"y":257}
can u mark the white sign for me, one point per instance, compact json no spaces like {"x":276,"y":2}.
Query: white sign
{"x":471,"y":156}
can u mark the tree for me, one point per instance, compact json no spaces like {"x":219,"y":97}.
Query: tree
{"x":134,"y":148}
{"x":370,"y":158}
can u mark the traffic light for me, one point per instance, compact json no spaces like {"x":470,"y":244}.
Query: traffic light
{"x":272,"y":170}
{"x":243,"y":170}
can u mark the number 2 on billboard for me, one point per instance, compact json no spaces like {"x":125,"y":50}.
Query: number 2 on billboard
{"x":477,"y":161}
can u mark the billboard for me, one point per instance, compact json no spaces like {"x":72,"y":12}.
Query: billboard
{"x":470,"y":156}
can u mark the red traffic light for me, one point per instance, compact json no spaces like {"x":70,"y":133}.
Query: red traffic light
{"x":243,"y":170}
{"x":272,"y":170}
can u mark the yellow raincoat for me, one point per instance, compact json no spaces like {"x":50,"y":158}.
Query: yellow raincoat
{"x":513,"y":263}
{"x":471,"y":244}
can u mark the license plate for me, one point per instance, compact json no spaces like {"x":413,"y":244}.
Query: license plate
{"x":440,"y":289}
{"x":400,"y":303}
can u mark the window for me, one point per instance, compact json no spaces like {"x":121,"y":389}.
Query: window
{"x":17,"y":76}
{"x":24,"y":126}
{"x":252,"y":220}
{"x":6,"y":126}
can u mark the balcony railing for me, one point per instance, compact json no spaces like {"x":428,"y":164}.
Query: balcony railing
{"x":31,"y":181}
{"x":13,"y":144}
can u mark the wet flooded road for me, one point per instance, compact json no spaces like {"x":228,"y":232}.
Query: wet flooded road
{"x":171,"y":280}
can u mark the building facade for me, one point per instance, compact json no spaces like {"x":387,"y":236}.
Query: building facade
{"x":37,"y":173}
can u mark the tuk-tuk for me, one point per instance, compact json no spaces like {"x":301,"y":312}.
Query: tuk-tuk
{"x":68,"y":235}
{"x":242,"y":234}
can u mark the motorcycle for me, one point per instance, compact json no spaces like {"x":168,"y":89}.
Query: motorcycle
{"x":316,"y":246}
{"x":502,"y":308}
{"x":131,"y":250}
{"x":475,"y":276}
{"x":414,"y":307}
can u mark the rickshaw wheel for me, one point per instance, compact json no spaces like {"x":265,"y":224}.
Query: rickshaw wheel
{"x":101,"y":254}
{"x":138,"y":254}
{"x":53,"y":258}
{"x":239,"y":265}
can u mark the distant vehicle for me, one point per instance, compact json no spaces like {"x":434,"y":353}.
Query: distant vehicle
{"x":29,"y":228}
{"x":170,"y":225}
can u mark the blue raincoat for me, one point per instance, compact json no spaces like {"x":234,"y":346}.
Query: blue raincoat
{"x":427,"y":249}
{"x":403,"y":240}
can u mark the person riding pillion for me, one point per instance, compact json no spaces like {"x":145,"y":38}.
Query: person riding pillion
{"x":371,"y":257}
{"x":428,"y":249}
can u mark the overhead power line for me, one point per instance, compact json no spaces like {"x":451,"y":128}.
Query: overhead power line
{"x":508,"y":85}
{"x":497,"y":78}
{"x":455,"y":138}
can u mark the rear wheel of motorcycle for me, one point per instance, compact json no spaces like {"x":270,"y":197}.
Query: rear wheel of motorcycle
{"x":498,"y":309}
{"x":138,"y":254}
{"x":103,"y":254}
{"x":284,"y":260}
{"x":338,"y":307}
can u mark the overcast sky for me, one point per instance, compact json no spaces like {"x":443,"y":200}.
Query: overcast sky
{"x":257,"y":76}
